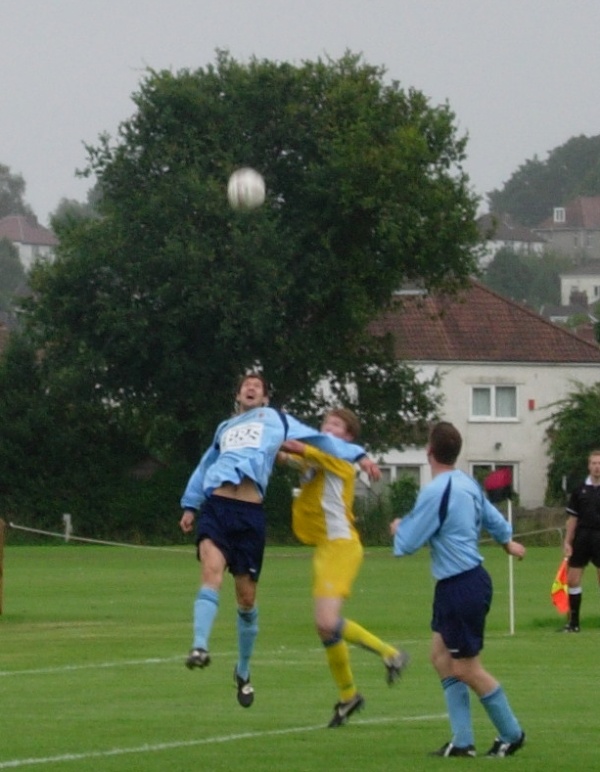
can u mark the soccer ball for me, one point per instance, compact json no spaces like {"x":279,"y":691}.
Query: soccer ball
{"x":246,"y":189}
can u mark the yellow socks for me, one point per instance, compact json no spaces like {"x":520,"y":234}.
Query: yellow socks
{"x":354,"y":633}
{"x":338,"y":658}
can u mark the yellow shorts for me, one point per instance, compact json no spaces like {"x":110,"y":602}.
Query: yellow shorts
{"x":335,"y":567}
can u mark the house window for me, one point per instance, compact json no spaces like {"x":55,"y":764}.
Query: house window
{"x":390,"y":474}
{"x":494,"y":403}
{"x":481,"y":469}
{"x":408,"y":471}
{"x":559,"y":214}
{"x":386,"y":475}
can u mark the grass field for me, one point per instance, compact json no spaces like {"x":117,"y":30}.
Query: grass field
{"x":93,"y":639}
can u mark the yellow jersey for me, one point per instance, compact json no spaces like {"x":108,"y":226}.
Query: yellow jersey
{"x":322,"y":511}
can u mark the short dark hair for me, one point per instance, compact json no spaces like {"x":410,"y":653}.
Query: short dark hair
{"x":445,"y":442}
{"x":351,"y":420}
{"x":259,"y":377}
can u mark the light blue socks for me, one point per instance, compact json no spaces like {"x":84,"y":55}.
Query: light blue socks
{"x":501,"y":715}
{"x":458,"y":702}
{"x":206,"y":606}
{"x":247,"y":629}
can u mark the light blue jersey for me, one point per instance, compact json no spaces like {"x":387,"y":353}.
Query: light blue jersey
{"x":246,"y":446}
{"x":449,"y":514}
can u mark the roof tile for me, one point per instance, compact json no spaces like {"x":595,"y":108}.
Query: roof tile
{"x":478,"y":325}
{"x":24,"y":230}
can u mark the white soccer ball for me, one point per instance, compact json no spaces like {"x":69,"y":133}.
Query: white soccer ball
{"x":246,"y":189}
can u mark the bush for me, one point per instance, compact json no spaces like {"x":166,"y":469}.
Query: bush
{"x":402,"y":495}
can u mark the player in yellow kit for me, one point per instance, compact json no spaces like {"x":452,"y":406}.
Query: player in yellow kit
{"x":322,"y":516}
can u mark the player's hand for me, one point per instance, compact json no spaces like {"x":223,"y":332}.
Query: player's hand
{"x":394,"y":525}
{"x":567,"y":549}
{"x":187,"y":521}
{"x":293,"y":446}
{"x":515,"y":549}
{"x":370,"y":468}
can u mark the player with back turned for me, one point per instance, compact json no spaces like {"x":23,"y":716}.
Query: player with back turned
{"x":448,"y":515}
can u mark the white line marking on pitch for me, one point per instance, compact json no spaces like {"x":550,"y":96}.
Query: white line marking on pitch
{"x":91,"y":666}
{"x":284,"y":652}
{"x":15,"y":763}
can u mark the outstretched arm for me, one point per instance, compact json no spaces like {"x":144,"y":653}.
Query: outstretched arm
{"x":370,"y":468}
{"x":300,"y":449}
{"x":515,"y":549}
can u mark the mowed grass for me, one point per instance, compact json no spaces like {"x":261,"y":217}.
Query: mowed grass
{"x":93,"y":640}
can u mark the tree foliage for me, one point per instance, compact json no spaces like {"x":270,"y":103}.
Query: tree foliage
{"x":573,"y":432}
{"x":12,"y":190}
{"x":69,"y":211}
{"x":571,"y":170}
{"x":12,"y":273}
{"x":530,"y":279}
{"x":166,"y":297}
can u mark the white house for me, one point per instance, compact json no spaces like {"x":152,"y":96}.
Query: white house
{"x":32,"y":240}
{"x":574,"y":229}
{"x":503,"y":367}
{"x":582,"y":282}
{"x":500,"y":231}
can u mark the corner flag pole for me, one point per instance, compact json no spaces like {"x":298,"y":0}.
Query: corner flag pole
{"x":511,"y":586}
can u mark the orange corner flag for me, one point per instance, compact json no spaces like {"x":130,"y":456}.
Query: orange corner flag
{"x":559,"y":592}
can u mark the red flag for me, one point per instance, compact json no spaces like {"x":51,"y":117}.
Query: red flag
{"x":559,"y":592}
{"x":498,"y":484}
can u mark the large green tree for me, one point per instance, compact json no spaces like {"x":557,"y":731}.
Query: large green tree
{"x":12,"y":273}
{"x":167,"y":296}
{"x":531,"y":193}
{"x":528,"y":278}
{"x":12,"y":191}
{"x":573,"y":432}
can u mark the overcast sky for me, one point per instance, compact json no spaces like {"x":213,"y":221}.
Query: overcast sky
{"x":520,"y":75}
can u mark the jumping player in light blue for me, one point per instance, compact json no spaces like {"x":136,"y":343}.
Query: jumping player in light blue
{"x":226,"y":492}
{"x":448,"y":515}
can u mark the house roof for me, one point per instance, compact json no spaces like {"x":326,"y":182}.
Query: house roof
{"x":580,"y":212}
{"x":588,"y":269}
{"x":573,"y":309}
{"x":26,"y":230}
{"x":478,"y":325}
{"x":493,"y":227}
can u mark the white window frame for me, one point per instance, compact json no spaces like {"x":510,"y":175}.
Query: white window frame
{"x":492,"y":416}
{"x":491,"y":466}
{"x":559,"y":214}
{"x":412,"y":470}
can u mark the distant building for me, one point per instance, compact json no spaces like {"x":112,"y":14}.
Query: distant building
{"x":574,"y":229}
{"x":581,"y":285}
{"x":503,"y":369}
{"x":562,"y":314}
{"x":32,"y":240}
{"x":500,"y":231}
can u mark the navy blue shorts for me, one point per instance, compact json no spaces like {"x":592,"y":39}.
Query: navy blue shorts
{"x":238,"y":528}
{"x":460,"y":606}
{"x":586,"y":548}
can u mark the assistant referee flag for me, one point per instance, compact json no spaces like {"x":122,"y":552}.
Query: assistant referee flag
{"x":559,"y":590}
